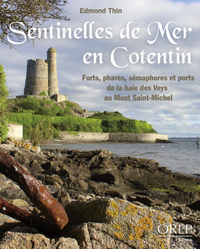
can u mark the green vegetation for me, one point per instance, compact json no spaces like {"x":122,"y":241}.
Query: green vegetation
{"x":29,"y":121}
{"x":185,"y":186}
{"x":3,"y":104}
{"x":116,"y":122}
{"x":38,"y":106}
{"x":160,"y":189}
{"x":126,"y":125}
{"x":108,"y":115}
{"x":67,"y":123}
{"x":43,"y":93}
{"x":30,"y":112}
{"x":40,"y":133}
{"x":77,"y":124}
{"x":188,"y":188}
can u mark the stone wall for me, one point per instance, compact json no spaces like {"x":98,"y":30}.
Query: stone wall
{"x":88,"y":113}
{"x":136,"y":137}
{"x":84,"y":137}
{"x":111,"y":137}
{"x":15,"y":131}
{"x":59,"y":97}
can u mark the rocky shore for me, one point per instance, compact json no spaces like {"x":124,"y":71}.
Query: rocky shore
{"x":112,"y":202}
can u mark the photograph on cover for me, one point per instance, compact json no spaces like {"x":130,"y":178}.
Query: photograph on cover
{"x":120,"y":82}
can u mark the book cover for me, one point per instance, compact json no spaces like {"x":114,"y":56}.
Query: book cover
{"x":139,"y":58}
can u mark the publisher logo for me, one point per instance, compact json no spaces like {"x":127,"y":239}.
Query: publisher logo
{"x":173,"y":230}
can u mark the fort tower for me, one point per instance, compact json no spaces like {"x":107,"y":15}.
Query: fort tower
{"x":41,"y":78}
{"x":52,"y":71}
{"x":36,"y":77}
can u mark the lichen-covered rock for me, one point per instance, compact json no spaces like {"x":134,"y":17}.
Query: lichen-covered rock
{"x":25,"y":145}
{"x":93,"y":235}
{"x":129,"y":224}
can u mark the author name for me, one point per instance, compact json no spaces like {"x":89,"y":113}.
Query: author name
{"x":101,"y":11}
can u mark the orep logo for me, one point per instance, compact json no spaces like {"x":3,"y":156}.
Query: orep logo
{"x":175,"y":230}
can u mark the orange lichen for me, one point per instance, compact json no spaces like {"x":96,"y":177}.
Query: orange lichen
{"x":34,"y":147}
{"x":124,"y":213}
{"x":138,"y":232}
{"x":145,"y":224}
{"x":131,"y":209}
{"x":119,"y":235}
{"x":27,"y":146}
{"x":162,"y":246}
{"x":114,"y":205}
{"x":162,"y":219}
{"x":121,"y":201}
{"x":117,"y":226}
{"x":137,"y":227}
{"x":131,"y":236}
{"x":113,"y":214}
{"x":141,"y":245}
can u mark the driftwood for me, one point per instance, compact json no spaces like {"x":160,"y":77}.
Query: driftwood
{"x":53,"y":211}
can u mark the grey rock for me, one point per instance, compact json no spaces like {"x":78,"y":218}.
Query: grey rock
{"x":126,"y":223}
{"x":92,"y":235}
{"x":29,"y":238}
{"x":185,"y":210}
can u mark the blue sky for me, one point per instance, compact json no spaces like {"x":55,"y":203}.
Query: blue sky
{"x":179,"y":117}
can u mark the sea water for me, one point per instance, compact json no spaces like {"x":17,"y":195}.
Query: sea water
{"x":181,"y":156}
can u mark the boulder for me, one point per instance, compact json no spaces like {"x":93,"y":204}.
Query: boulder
{"x":91,"y":235}
{"x":116,"y":223}
{"x":28,"y":238}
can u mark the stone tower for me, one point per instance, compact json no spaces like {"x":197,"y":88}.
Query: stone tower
{"x":41,"y":75}
{"x":36,"y":77}
{"x":52,"y":71}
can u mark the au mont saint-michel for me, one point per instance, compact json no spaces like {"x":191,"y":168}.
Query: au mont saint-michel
{"x":101,"y":11}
